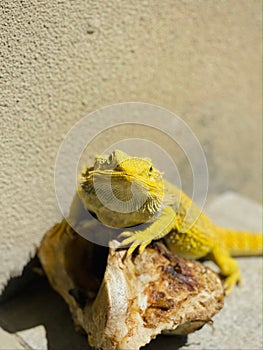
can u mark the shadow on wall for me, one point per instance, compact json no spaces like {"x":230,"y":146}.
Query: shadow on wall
{"x":26,"y":305}
{"x":38,"y":304}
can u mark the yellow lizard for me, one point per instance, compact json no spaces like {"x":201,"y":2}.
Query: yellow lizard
{"x":124,"y":191}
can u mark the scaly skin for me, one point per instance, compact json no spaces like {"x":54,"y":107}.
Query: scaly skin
{"x":141,"y":195}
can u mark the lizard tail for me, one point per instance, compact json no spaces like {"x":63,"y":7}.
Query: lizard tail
{"x":241,"y":243}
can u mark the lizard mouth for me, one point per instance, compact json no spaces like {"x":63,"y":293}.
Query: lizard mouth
{"x":123,"y":190}
{"x":90,"y":176}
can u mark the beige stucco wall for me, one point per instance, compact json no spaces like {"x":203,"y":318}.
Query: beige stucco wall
{"x":61,"y":60}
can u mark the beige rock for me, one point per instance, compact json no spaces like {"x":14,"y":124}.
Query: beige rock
{"x":136,"y":298}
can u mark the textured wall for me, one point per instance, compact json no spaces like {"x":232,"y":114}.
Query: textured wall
{"x":61,"y":60}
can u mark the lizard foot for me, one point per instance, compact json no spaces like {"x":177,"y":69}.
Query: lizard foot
{"x":136,"y":239}
{"x":59,"y":229}
{"x":230,"y":282}
{"x":228,"y":268}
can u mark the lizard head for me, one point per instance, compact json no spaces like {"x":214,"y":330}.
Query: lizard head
{"x":127,"y":183}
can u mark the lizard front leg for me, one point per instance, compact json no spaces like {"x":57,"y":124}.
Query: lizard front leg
{"x":158,"y":229}
{"x":228,"y":267}
{"x":74,"y":217}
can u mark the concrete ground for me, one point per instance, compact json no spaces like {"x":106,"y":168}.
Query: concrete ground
{"x":36,"y":317}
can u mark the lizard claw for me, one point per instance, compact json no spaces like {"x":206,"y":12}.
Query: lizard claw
{"x":131,"y":249}
{"x":136,"y":239}
{"x":143,"y":246}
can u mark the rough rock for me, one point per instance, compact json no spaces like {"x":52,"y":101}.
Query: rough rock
{"x":123,"y":302}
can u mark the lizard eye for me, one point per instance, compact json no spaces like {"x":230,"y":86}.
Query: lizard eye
{"x":151,"y":169}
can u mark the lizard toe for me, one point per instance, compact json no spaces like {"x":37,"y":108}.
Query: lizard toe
{"x":143,"y":246}
{"x":132,"y":248}
{"x":126,"y":234}
{"x":128,"y":240}
{"x":231,"y":281}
